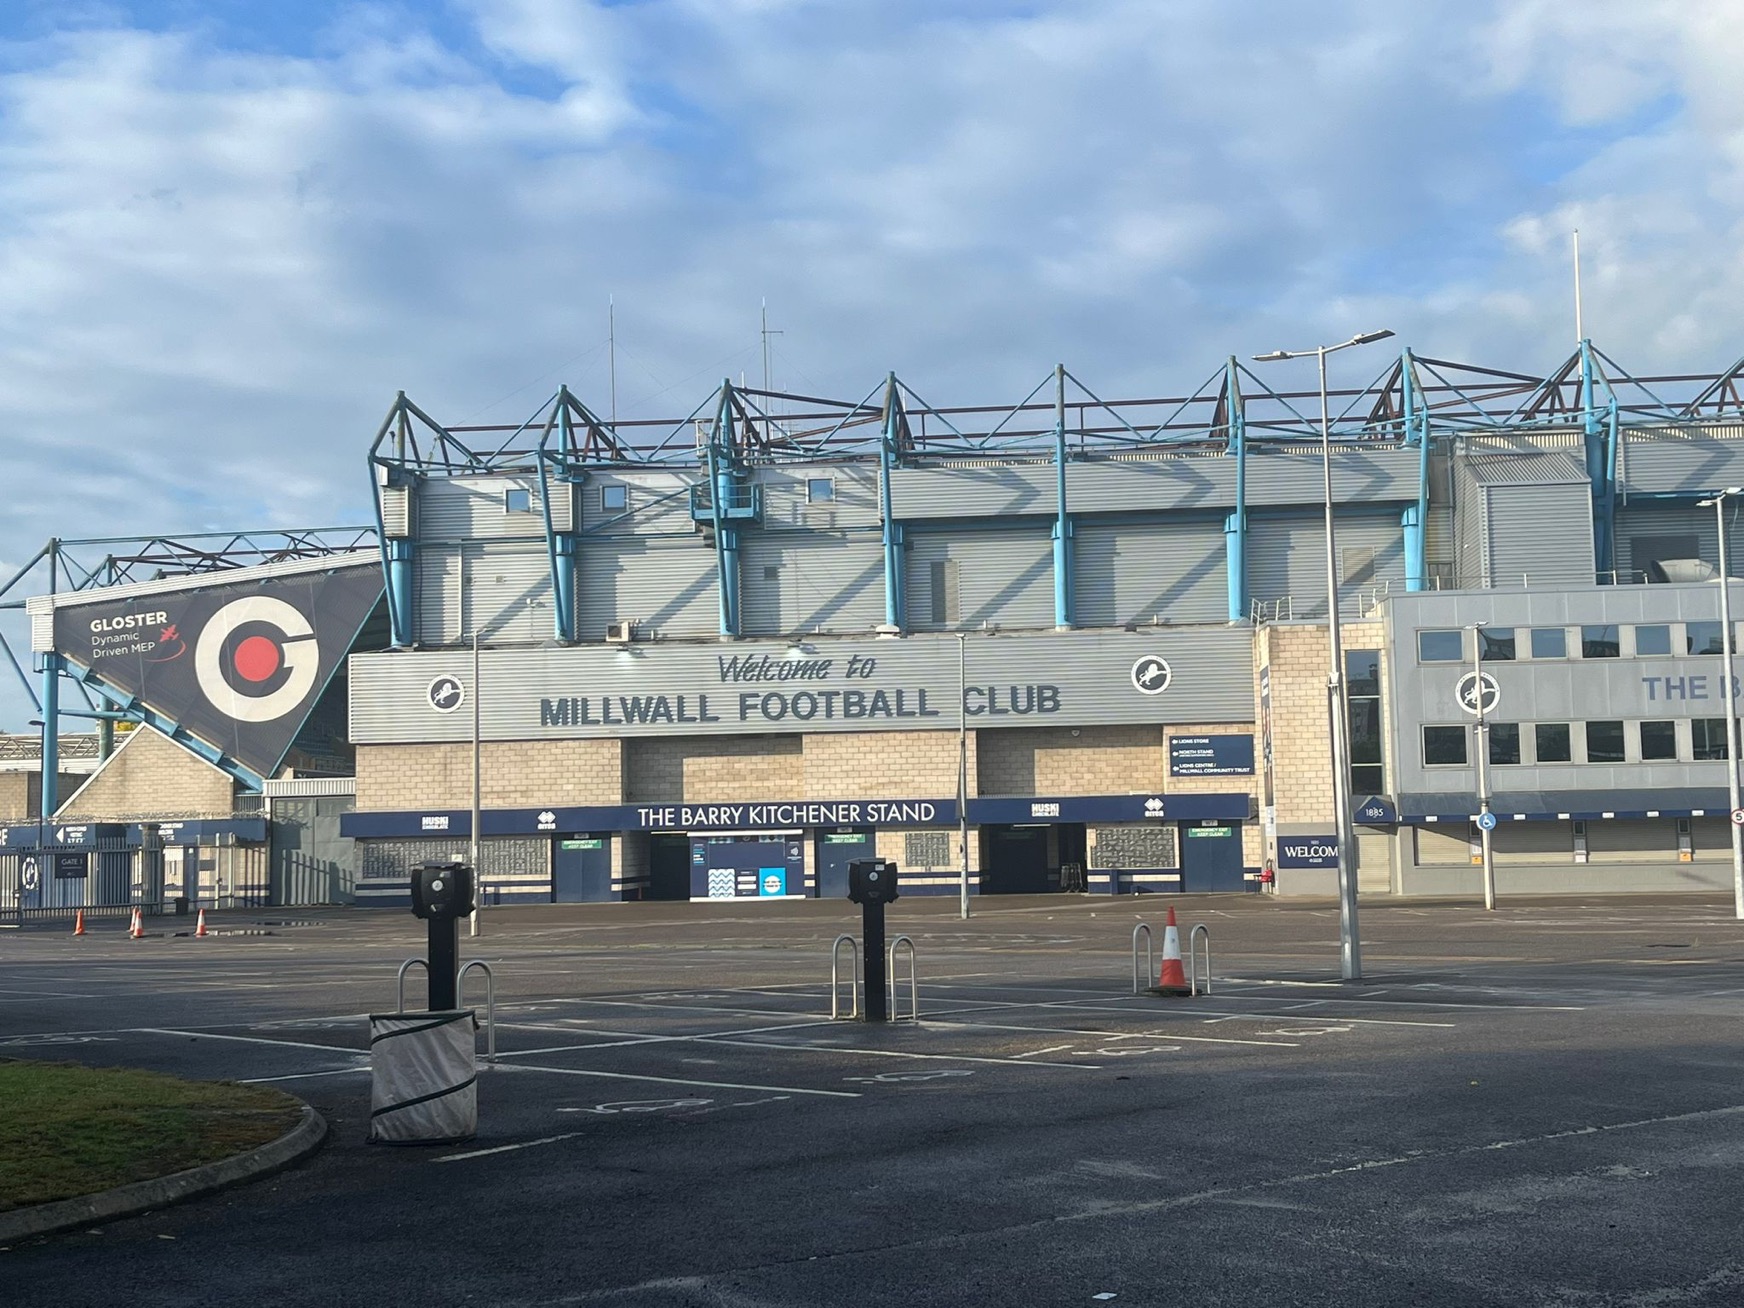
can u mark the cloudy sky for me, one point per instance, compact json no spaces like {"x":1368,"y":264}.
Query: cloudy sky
{"x":230,"y":231}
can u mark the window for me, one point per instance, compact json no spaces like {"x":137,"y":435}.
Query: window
{"x":1604,"y":742}
{"x":771,"y":572}
{"x":1549,"y":642}
{"x":1504,"y":742}
{"x":1599,"y":642}
{"x":1708,"y":738}
{"x":1496,"y":644}
{"x":1652,"y":640}
{"x":1441,"y":647}
{"x":516,"y":500}
{"x":1658,"y":741}
{"x":614,"y":499}
{"x":1550,"y":742}
{"x":1444,"y":746}
{"x":820,"y":490}
{"x":944,"y":592}
{"x":1702,"y":637}
{"x":1362,"y":683}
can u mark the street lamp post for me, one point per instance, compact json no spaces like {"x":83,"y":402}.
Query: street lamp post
{"x":475,"y":927}
{"x":963,"y":774}
{"x":1482,"y":736}
{"x":1350,"y":945}
{"x":1729,"y":698}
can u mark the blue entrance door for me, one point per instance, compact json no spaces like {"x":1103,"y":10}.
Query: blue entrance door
{"x":581,"y":870}
{"x":1211,"y":856}
{"x":835,"y":850}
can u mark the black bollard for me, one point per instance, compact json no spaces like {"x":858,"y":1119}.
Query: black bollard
{"x":442,"y":895}
{"x":872,"y":885}
{"x":444,"y":959}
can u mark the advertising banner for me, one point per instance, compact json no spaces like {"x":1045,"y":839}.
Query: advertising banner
{"x":239,"y":664}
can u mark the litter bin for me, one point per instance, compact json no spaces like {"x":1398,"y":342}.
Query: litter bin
{"x":423,"y":1077}
{"x":181,"y":905}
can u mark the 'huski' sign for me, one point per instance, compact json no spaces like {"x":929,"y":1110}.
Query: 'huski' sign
{"x":847,"y":684}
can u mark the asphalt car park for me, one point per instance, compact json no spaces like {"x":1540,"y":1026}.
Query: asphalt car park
{"x":1541,"y":1105}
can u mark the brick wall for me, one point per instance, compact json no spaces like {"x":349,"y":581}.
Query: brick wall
{"x":1253,"y":839}
{"x":1301,"y":747}
{"x":512,"y":774}
{"x":704,"y":768}
{"x":1071,"y":760}
{"x":151,"y":775}
{"x":885,"y":765}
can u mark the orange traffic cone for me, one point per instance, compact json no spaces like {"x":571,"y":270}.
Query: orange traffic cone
{"x":79,"y":923}
{"x":1172,"y":979}
{"x":136,"y":928}
{"x":200,"y":926}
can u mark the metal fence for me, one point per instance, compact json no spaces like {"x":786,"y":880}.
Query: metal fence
{"x":112,"y":877}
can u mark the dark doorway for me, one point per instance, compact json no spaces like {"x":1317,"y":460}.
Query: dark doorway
{"x":1211,"y":856}
{"x":1014,"y":860}
{"x":581,"y":870}
{"x":835,"y":850}
{"x":669,"y":866}
{"x":1074,"y":856}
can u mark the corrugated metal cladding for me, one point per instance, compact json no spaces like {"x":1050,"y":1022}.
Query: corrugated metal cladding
{"x":1287,"y":561}
{"x":1554,"y":468}
{"x":501,"y":588}
{"x":1655,"y":530}
{"x":1140,"y":571}
{"x":1002,"y":577}
{"x":832,"y":583}
{"x":852,"y":501}
{"x":907,"y":684}
{"x":1358,"y":476}
{"x":1704,"y":456}
{"x":438,"y":595}
{"x":396,"y":511}
{"x":666,"y":587}
{"x":478,"y":508}
{"x":971,"y":492}
{"x":1539,"y":535}
{"x":658,"y":503}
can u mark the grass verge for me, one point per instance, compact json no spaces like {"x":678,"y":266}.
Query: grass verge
{"x":69,"y":1130}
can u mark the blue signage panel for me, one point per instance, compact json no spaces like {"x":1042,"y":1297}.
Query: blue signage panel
{"x":1111,"y":808}
{"x":772,"y":815}
{"x":72,"y":867}
{"x":1211,"y":756}
{"x":1308,"y":851}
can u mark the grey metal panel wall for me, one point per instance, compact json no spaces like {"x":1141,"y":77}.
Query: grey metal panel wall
{"x":396,"y":511}
{"x":1358,"y":476}
{"x":785,"y":505}
{"x":1287,"y":561}
{"x":666,"y":587}
{"x":793,"y":583}
{"x":1169,"y":571}
{"x":1707,"y":456}
{"x":659,"y":502}
{"x":1539,"y":535}
{"x":1471,"y":560}
{"x":1003,"y":577}
{"x":473,"y":508}
{"x":508,"y":591}
{"x":437,"y":601}
{"x":1670,"y":518}
{"x":1184,"y":482}
{"x":969,"y":492}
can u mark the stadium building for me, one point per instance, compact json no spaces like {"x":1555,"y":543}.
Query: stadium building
{"x":1067,"y":644}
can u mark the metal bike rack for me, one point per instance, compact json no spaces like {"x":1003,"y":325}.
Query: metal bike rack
{"x":913,"y":985}
{"x":1201,"y":930}
{"x":1141,"y":979}
{"x":853,"y":977}
{"x":405,"y":967}
{"x":490,"y":1004}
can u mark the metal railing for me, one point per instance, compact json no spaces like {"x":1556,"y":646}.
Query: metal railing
{"x":400,"y":983}
{"x":853,"y":977}
{"x":1193,"y":937}
{"x":913,"y":983}
{"x":490,"y":1003}
{"x":1140,"y":979}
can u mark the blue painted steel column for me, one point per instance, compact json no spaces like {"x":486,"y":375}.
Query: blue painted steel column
{"x":402,"y":555}
{"x":895,"y":597}
{"x":720,"y":461}
{"x":563,"y":583}
{"x":1235,"y":525}
{"x":560,"y":546}
{"x":1063,"y":523}
{"x":51,"y":741}
{"x":1416,"y":516}
{"x":1601,"y":465}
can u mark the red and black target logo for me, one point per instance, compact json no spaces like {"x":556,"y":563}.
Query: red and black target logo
{"x":257,"y":658}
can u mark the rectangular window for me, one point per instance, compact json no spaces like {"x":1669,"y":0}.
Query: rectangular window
{"x":1441,"y":646}
{"x":1599,"y":642}
{"x":516,"y":500}
{"x":944,"y":592}
{"x":820,"y":490}
{"x":1708,"y":738}
{"x":1496,"y":644}
{"x":1658,"y":741}
{"x":1550,"y":642}
{"x":1504,"y":742}
{"x":1702,"y":637}
{"x":1444,"y":746}
{"x":1362,"y":683}
{"x":1550,"y":742}
{"x":1604,"y":742}
{"x":614,"y":499}
{"x":1652,"y":641}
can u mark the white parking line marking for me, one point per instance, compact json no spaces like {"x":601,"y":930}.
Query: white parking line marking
{"x":247,"y":1040}
{"x":304,"y":1076}
{"x":674,"y":1080}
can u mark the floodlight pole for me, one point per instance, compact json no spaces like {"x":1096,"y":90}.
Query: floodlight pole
{"x":963,"y":774}
{"x":1730,"y":699}
{"x":474,"y":926}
